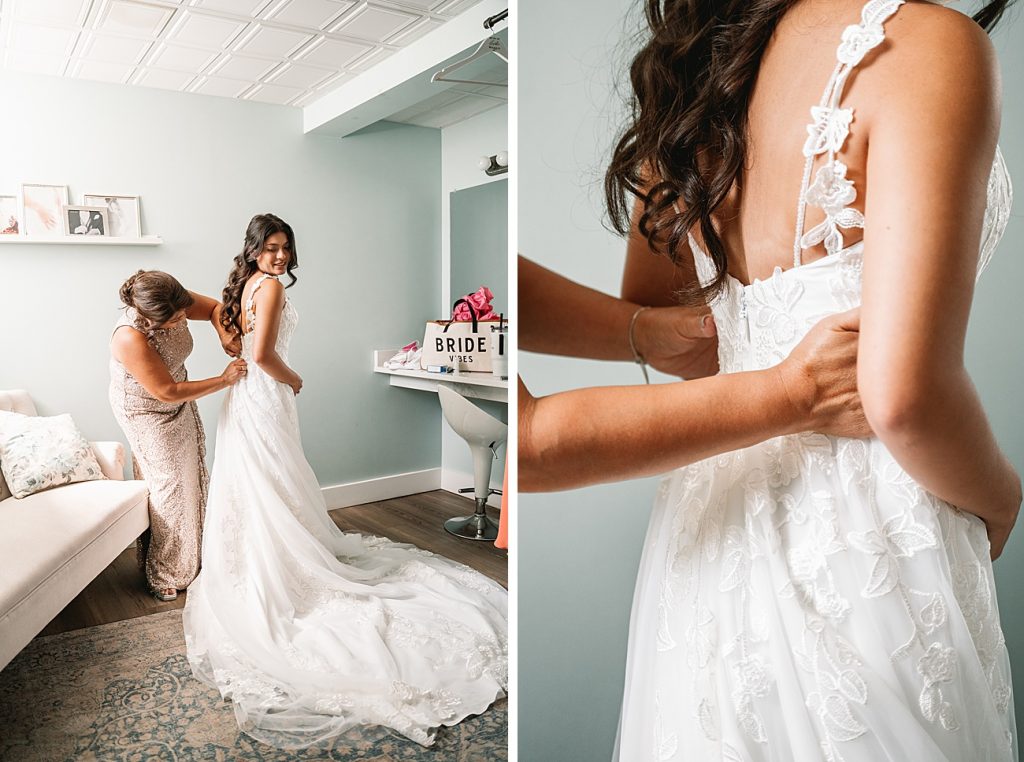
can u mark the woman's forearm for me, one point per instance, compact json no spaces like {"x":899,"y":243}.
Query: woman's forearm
{"x":560,"y":317}
{"x":186,"y":391}
{"x":589,"y":436}
{"x":943,"y":440}
{"x":202,"y":307}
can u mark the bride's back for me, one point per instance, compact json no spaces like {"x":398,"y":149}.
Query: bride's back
{"x":757,"y":222}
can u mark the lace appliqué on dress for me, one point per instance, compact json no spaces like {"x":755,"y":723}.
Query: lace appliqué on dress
{"x":831,"y":191}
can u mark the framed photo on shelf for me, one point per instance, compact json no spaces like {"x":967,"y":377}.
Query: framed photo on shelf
{"x":42,"y":209}
{"x":85,"y":220}
{"x":122,"y":213}
{"x":9,"y":215}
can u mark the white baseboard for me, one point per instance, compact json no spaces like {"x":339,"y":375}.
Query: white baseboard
{"x":381,"y":488}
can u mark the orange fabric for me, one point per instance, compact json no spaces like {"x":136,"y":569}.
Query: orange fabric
{"x":502,"y":541}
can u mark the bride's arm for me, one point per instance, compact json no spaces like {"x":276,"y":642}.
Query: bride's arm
{"x":932,"y":139}
{"x":650,"y":278}
{"x":269,"y":302}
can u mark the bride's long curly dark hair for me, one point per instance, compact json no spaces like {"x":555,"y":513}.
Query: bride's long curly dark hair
{"x":692,"y":83}
{"x":261,"y":227}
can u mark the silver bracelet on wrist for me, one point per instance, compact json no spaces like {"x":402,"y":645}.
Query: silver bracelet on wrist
{"x":637,"y":357}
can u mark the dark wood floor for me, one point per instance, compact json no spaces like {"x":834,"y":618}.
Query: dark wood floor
{"x":119,"y":592}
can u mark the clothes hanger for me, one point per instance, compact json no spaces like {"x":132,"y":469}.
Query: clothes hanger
{"x":492,"y":44}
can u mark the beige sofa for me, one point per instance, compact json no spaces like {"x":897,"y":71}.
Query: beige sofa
{"x":55,"y":542}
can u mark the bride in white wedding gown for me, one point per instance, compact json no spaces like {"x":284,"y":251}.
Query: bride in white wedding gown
{"x":806,"y":598}
{"x":308,"y":630}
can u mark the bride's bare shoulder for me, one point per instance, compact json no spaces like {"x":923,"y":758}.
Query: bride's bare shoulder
{"x":933,"y":60}
{"x":933,"y":38}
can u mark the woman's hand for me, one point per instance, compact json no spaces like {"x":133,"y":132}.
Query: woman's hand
{"x":820,"y":377}
{"x":296,"y":385}
{"x":235,"y":370}
{"x":680,"y":341}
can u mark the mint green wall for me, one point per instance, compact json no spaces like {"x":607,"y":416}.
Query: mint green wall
{"x":366,"y":212}
{"x":578,"y":551}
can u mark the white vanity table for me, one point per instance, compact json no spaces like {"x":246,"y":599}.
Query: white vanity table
{"x":474,"y":252}
{"x":483,"y":386}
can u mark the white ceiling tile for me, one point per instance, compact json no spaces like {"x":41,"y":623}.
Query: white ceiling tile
{"x":333,"y":83}
{"x":205,"y":31}
{"x":416,"y":31}
{"x":274,"y":94}
{"x":45,"y":40}
{"x":108,"y":49}
{"x":135,"y":18}
{"x":168,"y":80}
{"x":244,"y":67}
{"x":69,"y":12}
{"x":102,"y":71}
{"x":249,"y":8}
{"x":373,"y":23}
{"x":297,"y":75}
{"x":312,"y":14}
{"x":228,"y":88}
{"x":273,"y":43}
{"x":333,"y":53}
{"x":371,"y":59}
{"x":182,"y":58}
{"x":421,"y":5}
{"x":454,"y":7}
{"x":306,"y":99}
{"x":37,"y":63}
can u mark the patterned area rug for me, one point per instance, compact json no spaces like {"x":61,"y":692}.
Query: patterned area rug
{"x":124,"y":691}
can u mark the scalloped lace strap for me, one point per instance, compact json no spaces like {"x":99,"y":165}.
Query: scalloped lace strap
{"x":827,"y":133}
{"x":250,"y":303}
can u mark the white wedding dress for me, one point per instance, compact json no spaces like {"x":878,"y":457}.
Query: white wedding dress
{"x":311,"y":631}
{"x":804,"y":599}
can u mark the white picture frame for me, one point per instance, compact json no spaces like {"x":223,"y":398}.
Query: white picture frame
{"x":10,"y":215}
{"x":123,"y":213}
{"x":86,"y":220}
{"x":41,"y":209}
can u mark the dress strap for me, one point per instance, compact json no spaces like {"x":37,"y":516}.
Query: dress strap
{"x":827,"y":133}
{"x":250,"y":303}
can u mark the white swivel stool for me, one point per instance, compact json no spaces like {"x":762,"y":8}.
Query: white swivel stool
{"x":485,"y":434}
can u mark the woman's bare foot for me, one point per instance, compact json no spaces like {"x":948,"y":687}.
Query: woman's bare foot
{"x":166,"y":594}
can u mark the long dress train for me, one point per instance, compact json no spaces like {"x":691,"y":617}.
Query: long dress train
{"x":309,"y":630}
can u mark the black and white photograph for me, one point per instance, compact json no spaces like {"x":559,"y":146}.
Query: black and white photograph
{"x":85,"y":220}
{"x":9,"y":215}
{"x":41,"y":208}
{"x":122,"y":213}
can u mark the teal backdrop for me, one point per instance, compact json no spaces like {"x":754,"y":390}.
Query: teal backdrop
{"x":366,"y":211}
{"x":579,"y":550}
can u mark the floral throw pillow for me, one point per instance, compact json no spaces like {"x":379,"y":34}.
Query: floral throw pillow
{"x":37,"y":453}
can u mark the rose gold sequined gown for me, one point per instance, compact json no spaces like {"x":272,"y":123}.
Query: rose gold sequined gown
{"x":168,"y":450}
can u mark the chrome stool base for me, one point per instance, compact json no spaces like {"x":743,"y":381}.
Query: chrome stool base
{"x":479,"y":526}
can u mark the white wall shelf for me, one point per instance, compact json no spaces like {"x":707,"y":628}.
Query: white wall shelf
{"x":482,"y":386}
{"x":92,"y":240}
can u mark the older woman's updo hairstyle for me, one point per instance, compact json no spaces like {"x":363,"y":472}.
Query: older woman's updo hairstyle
{"x":156,"y":297}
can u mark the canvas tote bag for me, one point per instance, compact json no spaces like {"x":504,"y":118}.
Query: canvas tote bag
{"x":462,"y":344}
